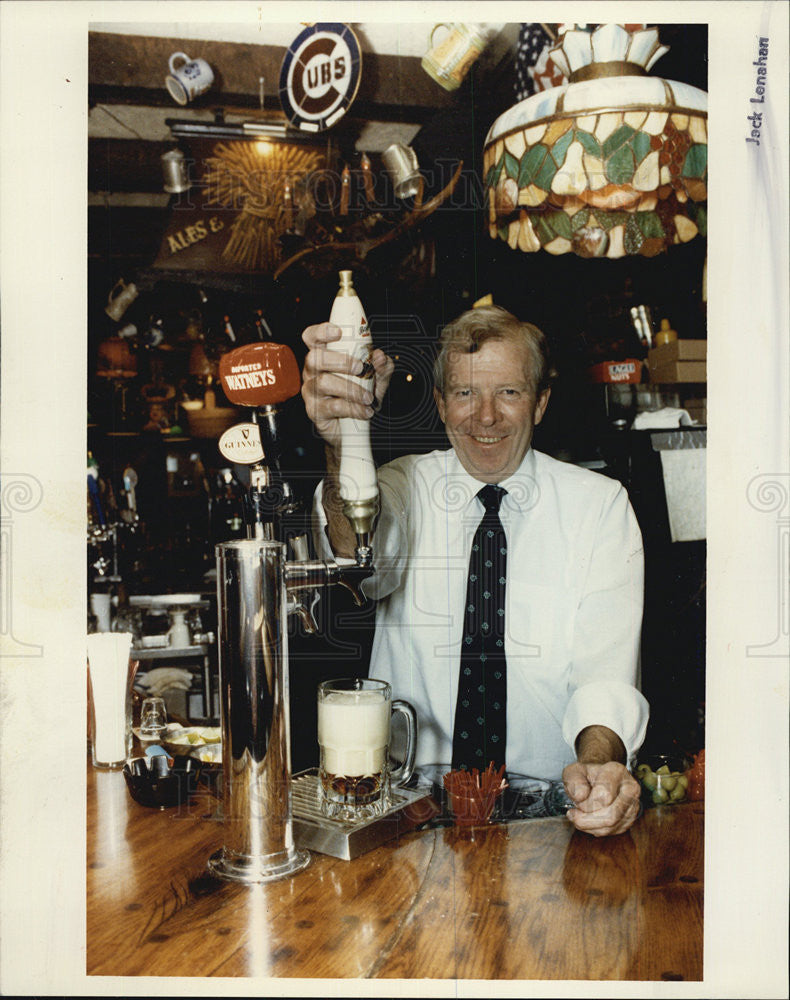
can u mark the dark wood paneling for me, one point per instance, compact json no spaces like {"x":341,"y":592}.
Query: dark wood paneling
{"x":125,"y":165}
{"x":126,"y":234}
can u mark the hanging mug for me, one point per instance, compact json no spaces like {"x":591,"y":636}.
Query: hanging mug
{"x":174,"y":169}
{"x":403,"y":167}
{"x":449,"y":60}
{"x":188,"y":78}
{"x":120,"y":298}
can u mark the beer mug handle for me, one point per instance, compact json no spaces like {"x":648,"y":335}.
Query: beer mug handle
{"x":177,"y":55}
{"x":436,"y":28}
{"x":119,"y":284}
{"x":404,"y":771}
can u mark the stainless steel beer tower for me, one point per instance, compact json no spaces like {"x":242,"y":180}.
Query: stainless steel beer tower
{"x":253,"y":654}
{"x":256,"y":590}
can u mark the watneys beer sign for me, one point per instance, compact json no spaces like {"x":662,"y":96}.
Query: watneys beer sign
{"x":320,"y":76}
{"x":259,"y":374}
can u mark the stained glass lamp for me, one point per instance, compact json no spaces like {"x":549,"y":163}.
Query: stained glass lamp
{"x":612,"y":164}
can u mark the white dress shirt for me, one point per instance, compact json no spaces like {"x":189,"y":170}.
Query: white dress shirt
{"x":574,"y":599}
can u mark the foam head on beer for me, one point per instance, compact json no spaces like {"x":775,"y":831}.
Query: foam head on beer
{"x":354,"y":732}
{"x":259,"y":374}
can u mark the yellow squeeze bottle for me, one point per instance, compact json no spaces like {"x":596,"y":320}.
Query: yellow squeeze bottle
{"x":665,"y":335}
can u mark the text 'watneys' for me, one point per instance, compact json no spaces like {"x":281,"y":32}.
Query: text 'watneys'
{"x":251,"y":380}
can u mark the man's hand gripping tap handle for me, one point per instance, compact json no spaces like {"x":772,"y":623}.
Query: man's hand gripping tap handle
{"x":357,"y":482}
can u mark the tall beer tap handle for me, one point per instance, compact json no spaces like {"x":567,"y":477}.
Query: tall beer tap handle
{"x":260,"y":375}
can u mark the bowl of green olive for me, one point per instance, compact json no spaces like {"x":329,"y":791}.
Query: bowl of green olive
{"x":663,"y":779}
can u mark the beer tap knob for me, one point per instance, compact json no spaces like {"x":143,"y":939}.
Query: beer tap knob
{"x":260,"y":376}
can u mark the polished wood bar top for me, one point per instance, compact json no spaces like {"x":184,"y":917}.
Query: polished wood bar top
{"x":530,"y":899}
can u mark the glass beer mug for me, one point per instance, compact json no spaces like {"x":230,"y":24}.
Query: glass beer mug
{"x":355,"y":771}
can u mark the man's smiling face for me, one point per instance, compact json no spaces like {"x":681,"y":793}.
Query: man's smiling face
{"x":489,"y":409}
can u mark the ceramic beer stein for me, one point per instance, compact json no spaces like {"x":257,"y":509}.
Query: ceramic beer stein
{"x":120,"y":298}
{"x":188,"y":78}
{"x":450,"y":58}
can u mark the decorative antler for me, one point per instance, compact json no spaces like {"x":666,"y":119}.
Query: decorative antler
{"x":362,"y":248}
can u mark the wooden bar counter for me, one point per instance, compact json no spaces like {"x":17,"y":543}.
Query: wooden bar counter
{"x":530,"y":899}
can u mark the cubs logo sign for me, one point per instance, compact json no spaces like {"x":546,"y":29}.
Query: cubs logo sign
{"x":320,"y":76}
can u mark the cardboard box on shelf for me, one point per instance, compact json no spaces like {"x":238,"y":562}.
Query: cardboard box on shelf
{"x":629,"y":370}
{"x":679,"y":371}
{"x":677,"y":350}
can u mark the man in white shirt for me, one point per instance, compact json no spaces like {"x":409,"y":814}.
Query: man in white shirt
{"x":573,"y":597}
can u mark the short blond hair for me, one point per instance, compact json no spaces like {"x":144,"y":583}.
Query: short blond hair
{"x":474,"y":327}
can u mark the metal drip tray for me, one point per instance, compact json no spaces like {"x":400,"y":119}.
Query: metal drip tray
{"x":312,"y":830}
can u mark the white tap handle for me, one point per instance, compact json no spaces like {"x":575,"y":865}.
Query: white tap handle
{"x":357,"y":475}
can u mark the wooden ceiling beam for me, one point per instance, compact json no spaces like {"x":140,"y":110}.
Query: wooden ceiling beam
{"x":132,"y":69}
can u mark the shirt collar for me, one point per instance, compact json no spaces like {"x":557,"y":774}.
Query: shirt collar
{"x":522,"y":488}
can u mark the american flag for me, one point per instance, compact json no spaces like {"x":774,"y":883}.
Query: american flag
{"x":535,"y":70}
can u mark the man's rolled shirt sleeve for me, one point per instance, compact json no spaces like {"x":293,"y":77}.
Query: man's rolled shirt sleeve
{"x":607,"y":632}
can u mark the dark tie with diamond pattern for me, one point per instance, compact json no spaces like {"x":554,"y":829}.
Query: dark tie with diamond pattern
{"x":479,"y":736}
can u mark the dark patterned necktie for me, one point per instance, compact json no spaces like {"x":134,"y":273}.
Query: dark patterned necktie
{"x":479,"y":736}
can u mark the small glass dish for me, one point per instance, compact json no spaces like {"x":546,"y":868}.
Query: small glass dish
{"x":178,"y":739}
{"x":473,"y":796}
{"x":524,"y":798}
{"x":663,"y":779}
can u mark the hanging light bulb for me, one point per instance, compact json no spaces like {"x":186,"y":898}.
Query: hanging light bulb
{"x":611,"y":164}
